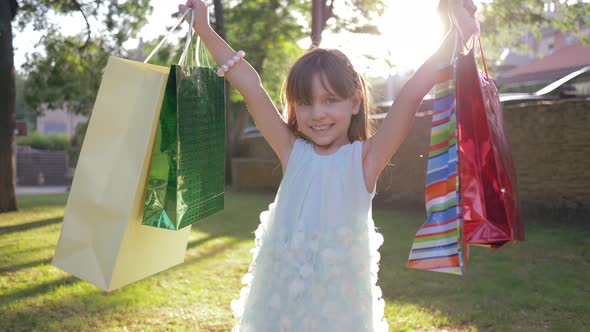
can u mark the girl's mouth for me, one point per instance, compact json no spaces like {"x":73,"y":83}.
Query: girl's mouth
{"x":321,"y":128}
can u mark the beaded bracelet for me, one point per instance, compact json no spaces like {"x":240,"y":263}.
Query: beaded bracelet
{"x":230,"y":63}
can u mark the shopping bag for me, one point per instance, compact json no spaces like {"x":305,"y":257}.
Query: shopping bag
{"x":187,"y":170}
{"x":102,"y":239}
{"x":438,"y":245}
{"x":489,"y":197}
{"x":471,"y":195}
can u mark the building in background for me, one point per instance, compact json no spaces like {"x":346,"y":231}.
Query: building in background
{"x":58,"y":122}
{"x":553,"y":56}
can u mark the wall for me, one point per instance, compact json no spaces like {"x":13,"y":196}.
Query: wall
{"x":550,"y":143}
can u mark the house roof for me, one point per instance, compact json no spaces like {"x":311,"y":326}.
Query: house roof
{"x":551,"y":67}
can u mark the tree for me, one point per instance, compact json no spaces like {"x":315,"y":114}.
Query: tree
{"x":505,"y":23}
{"x":8,"y":10}
{"x":69,"y":71}
{"x":359,"y":21}
{"x":66,"y":72}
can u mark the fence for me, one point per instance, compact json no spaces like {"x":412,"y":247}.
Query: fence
{"x":35,"y":167}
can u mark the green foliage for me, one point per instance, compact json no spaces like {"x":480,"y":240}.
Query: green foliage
{"x":66,"y":70}
{"x":23,"y":110}
{"x":118,"y":20}
{"x":75,"y":144}
{"x":167,"y":55}
{"x":505,"y":22}
{"x":170,"y":52}
{"x":64,"y":78}
{"x":276,"y":69}
{"x":364,"y":13}
{"x":56,"y":142}
{"x":270,"y":43}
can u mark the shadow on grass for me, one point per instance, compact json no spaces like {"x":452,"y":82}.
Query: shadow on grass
{"x":39,"y":289}
{"x":536,"y":285}
{"x":29,"y":226}
{"x":200,"y":242}
{"x":28,"y":250}
{"x":210,"y":252}
{"x":239,"y":219}
{"x":17,"y":267}
{"x":89,"y":311}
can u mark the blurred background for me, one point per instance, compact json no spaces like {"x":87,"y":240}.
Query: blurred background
{"x":537,"y":51}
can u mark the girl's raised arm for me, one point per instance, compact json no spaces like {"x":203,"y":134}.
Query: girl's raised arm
{"x":381,"y":147}
{"x":247,"y":81}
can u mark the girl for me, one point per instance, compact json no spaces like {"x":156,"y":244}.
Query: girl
{"x":315,"y":262}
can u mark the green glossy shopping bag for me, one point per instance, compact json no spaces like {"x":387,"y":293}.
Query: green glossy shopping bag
{"x":187,"y":168}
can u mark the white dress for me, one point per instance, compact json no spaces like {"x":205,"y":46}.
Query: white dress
{"x":315,"y":263}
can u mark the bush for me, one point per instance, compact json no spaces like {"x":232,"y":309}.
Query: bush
{"x":56,"y":142}
{"x":76,"y":141}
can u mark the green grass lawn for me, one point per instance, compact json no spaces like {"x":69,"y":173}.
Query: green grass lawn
{"x":542,"y":284}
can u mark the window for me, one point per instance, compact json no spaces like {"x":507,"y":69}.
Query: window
{"x":55,"y":128}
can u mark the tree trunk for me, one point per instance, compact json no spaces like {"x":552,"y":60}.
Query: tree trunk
{"x":219,"y":21}
{"x":229,"y":120}
{"x":7,"y":108}
{"x":320,"y":13}
{"x":316,"y":22}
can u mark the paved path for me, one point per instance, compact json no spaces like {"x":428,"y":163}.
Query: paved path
{"x":41,"y":190}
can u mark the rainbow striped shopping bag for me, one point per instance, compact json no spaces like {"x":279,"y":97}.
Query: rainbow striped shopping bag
{"x":438,"y":245}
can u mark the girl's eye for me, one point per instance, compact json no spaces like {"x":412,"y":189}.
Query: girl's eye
{"x":331,"y":100}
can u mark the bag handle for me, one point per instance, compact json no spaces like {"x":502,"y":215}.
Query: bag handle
{"x":189,"y":36}
{"x":475,"y":43}
{"x":458,"y":36}
{"x":190,"y":33}
{"x":483,"y":58}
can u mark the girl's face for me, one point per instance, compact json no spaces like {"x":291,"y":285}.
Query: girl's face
{"x":326,"y":118}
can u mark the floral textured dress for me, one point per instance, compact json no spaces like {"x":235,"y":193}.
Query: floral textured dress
{"x":315,"y":263}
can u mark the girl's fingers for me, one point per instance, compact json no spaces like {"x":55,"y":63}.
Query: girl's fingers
{"x":182,"y":9}
{"x":470,"y":7}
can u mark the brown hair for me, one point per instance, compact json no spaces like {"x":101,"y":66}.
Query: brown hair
{"x":338,"y":76}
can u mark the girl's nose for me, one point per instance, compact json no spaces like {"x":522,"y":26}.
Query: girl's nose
{"x":317,"y":112}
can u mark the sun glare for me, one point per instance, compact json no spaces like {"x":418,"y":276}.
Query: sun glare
{"x":410,"y":32}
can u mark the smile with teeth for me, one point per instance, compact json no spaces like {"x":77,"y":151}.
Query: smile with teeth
{"x":321,"y":128}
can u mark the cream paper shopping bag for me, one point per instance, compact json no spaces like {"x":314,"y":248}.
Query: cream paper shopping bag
{"x":102,"y":239}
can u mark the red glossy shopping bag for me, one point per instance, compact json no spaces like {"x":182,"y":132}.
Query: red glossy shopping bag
{"x":489,"y":202}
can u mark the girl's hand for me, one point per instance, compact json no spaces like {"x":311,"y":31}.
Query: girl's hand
{"x":463,"y":26}
{"x":462,"y":13}
{"x":201,"y":12}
